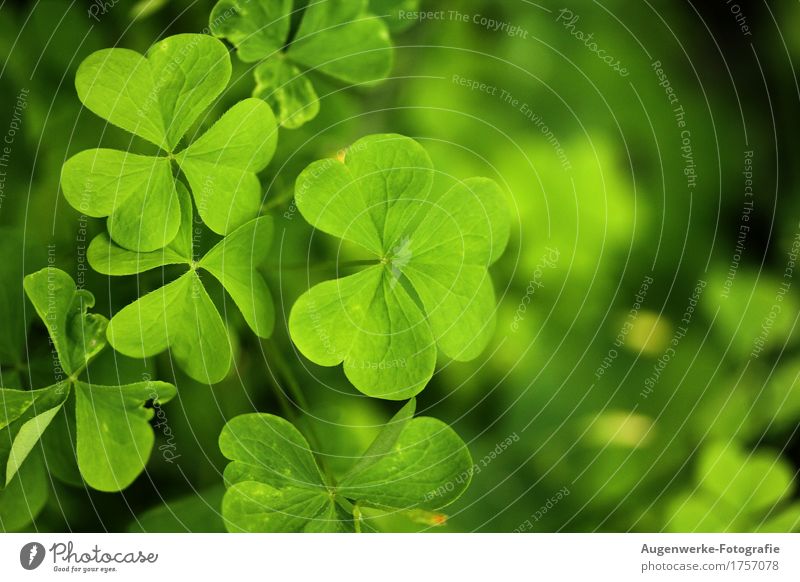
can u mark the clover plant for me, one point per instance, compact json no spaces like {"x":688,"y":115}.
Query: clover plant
{"x":341,"y":40}
{"x":113,"y":436}
{"x":274,"y":483}
{"x":159,"y":97}
{"x":181,"y":315}
{"x":427,"y":290}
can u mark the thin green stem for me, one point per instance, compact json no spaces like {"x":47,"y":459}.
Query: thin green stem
{"x":357,"y":517}
{"x":286,"y":373}
{"x":283,"y":401}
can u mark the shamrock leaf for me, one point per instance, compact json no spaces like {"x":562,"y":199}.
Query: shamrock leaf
{"x":257,"y":28}
{"x":136,"y":193}
{"x":275,"y":485}
{"x":76,"y":335}
{"x":429,"y":285}
{"x":181,"y":315}
{"x":288,"y":91}
{"x":113,"y":437}
{"x":273,"y":482}
{"x":414,"y":463}
{"x":339,"y":39}
{"x":225,"y":160}
{"x":159,"y":97}
{"x":735,"y":492}
{"x":342,"y":40}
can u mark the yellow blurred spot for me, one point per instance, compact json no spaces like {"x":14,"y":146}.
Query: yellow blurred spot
{"x":620,"y":428}
{"x":648,"y":333}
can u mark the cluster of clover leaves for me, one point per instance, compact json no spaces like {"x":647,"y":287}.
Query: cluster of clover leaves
{"x":427,"y":290}
{"x":344,"y":41}
{"x":111,"y":430}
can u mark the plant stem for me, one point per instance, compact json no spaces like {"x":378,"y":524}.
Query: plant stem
{"x":357,"y":517}
{"x":299,"y":401}
{"x":283,"y":401}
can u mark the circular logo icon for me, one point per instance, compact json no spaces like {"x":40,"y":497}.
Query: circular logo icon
{"x":31,"y":555}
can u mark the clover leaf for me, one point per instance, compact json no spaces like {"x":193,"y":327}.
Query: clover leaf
{"x":76,"y":335}
{"x":736,"y":492}
{"x":429,"y":285}
{"x":159,"y":97}
{"x":339,"y":39}
{"x":275,"y":485}
{"x":181,"y":315}
{"x":113,"y":436}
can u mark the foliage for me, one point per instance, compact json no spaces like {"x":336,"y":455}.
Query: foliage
{"x":596,"y":181}
{"x":274,"y":483}
{"x":112,"y":434}
{"x":431,"y":249}
{"x":158,"y":97}
{"x":339,"y":39}
{"x":181,"y":315}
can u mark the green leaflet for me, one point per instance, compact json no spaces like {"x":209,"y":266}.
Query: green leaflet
{"x":342,"y":40}
{"x":29,"y":434}
{"x":181,"y":315}
{"x":414,"y":463}
{"x":274,"y":484}
{"x":256,"y":28}
{"x":76,"y":334}
{"x":339,"y":39}
{"x":113,"y":436}
{"x":430,"y":285}
{"x":159,"y":97}
{"x":25,"y":416}
{"x":233,"y":262}
{"x":110,"y":259}
{"x":288,"y":91}
{"x":735,"y":492}
{"x":133,"y":191}
{"x":221,"y":165}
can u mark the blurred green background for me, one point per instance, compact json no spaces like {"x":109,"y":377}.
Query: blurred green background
{"x":629,"y":217}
